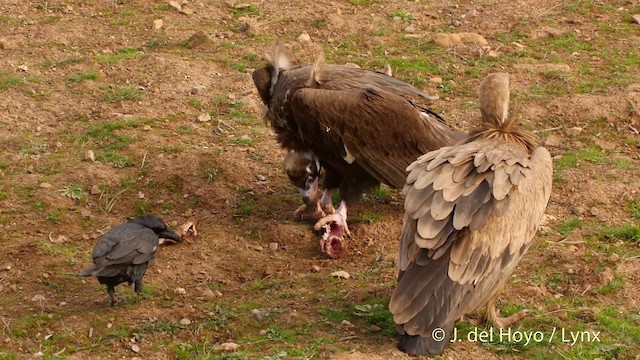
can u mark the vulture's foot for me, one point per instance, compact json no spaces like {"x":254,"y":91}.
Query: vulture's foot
{"x":313,"y":212}
{"x":493,"y":315}
{"x":326,"y":204}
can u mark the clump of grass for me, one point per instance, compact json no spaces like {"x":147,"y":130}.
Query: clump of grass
{"x":123,"y":93}
{"x":48,"y":64}
{"x":196,"y":103}
{"x":122,"y":54}
{"x":84,"y":76}
{"x":73,"y":191}
{"x":630,"y":233}
{"x":243,"y":141}
{"x":116,"y":160}
{"x":572,"y":159}
{"x":7,"y":81}
{"x":363,"y":2}
{"x":567,"y":227}
{"x":244,"y":10}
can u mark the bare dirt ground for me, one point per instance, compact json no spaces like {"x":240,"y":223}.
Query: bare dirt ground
{"x":96,"y":75}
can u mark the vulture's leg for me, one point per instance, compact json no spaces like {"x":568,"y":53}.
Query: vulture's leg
{"x":111,"y":290}
{"x":339,"y":218}
{"x":325,"y":202}
{"x":493,"y":315}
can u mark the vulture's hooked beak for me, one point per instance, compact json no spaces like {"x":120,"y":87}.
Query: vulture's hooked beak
{"x":309,"y":194}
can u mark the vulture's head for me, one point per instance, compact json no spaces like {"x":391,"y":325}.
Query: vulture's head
{"x":158,"y":226}
{"x":266,"y":78}
{"x":303,"y":169}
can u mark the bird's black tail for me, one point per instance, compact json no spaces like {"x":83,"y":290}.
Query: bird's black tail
{"x":416,"y":345}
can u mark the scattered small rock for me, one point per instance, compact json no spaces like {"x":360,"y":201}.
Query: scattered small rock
{"x":572,"y":248}
{"x":574,"y":131}
{"x":409,"y":28}
{"x":23,"y":67}
{"x":109,"y":325}
{"x":636,"y":18}
{"x":341,"y":274}
{"x":176,"y":5}
{"x":140,"y":195}
{"x":45,"y":185}
{"x":157,"y":24}
{"x":315,"y":268}
{"x":258,"y":248}
{"x":304,"y":37}
{"x":492,"y":54}
{"x":547,"y":219}
{"x":63,"y":303}
{"x":185,"y":322}
{"x":258,"y":314}
{"x":186,"y":11}
{"x":352,"y":65}
{"x":198,"y":90}
{"x":95,"y":190}
{"x":578,"y":211}
{"x":146,"y":128}
{"x":273,"y":245}
{"x":208,"y":293}
{"x":135,"y":348}
{"x":85,"y":213}
{"x":594,"y":211}
{"x":180,"y":291}
{"x":262,"y":332}
{"x":39,"y":297}
{"x":6,"y":44}
{"x":45,"y":275}
{"x":347,"y":324}
{"x":606,"y":276}
{"x":204,"y":117}
{"x":450,"y":40}
{"x":375,"y":328}
{"x":436,"y":80}
{"x":261,"y":177}
{"x":89,"y":156}
{"x":228,"y":347}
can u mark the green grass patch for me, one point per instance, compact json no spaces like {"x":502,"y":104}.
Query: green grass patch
{"x":120,"y":55}
{"x":74,"y":191}
{"x":84,"y":76}
{"x":567,"y":227}
{"x":630,"y":233}
{"x":573,"y":158}
{"x":9,"y":80}
{"x":48,"y":64}
{"x":245,"y":10}
{"x":123,"y":93}
{"x":196,"y":103}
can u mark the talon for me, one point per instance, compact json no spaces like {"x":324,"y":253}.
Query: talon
{"x":493,"y":315}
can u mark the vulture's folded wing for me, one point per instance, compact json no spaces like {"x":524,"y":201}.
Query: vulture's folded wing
{"x":128,"y":243}
{"x":471,"y":212}
{"x":380,"y":131}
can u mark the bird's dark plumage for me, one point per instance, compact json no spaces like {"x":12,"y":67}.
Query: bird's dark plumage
{"x":123,"y":253}
{"x":472,"y":210}
{"x":365,"y":126}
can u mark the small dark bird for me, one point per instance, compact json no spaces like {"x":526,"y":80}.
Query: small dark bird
{"x":123,"y":253}
{"x":472,"y":210}
{"x":362,"y":127}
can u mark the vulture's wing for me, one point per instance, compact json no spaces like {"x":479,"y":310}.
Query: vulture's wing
{"x":380,"y":131}
{"x":128,"y":243}
{"x":471,"y":212}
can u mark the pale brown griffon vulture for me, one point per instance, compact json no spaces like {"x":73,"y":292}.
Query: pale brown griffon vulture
{"x":363,"y":127}
{"x":471,"y":212}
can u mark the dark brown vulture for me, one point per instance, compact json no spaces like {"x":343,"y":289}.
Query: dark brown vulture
{"x":363,"y":126}
{"x":471,"y":212}
{"x":123,"y":253}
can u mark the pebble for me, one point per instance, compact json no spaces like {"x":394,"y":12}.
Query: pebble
{"x":45,"y":185}
{"x":146,"y":128}
{"x":304,"y":37}
{"x":204,"y":117}
{"x":135,"y":348}
{"x":180,"y":291}
{"x":176,"y":5}
{"x":23,"y":67}
{"x":574,"y":131}
{"x":315,"y":268}
{"x":273,"y":245}
{"x":578,"y":211}
{"x":95,"y":190}
{"x":228,"y":346}
{"x":636,"y":18}
{"x":5,"y":44}
{"x":45,"y":275}
{"x":341,"y":274}
{"x":375,"y":328}
{"x":85,"y":213}
{"x":109,"y":325}
{"x":140,"y":195}
{"x":258,"y":314}
{"x":198,"y":90}
{"x":347,"y":324}
{"x":208,"y":293}
{"x":185,"y":322}
{"x":436,"y":80}
{"x":263,"y":332}
{"x":492,"y":54}
{"x":157,"y":24}
{"x":594,"y":211}
{"x":261,"y":178}
{"x":89,"y":156}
